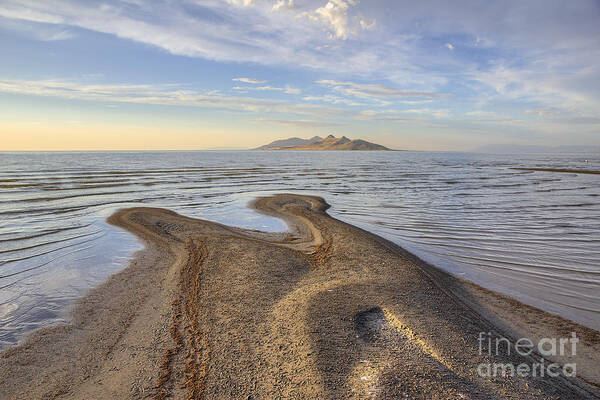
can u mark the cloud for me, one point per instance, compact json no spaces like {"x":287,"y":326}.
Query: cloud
{"x":481,"y":113}
{"x":287,"y":89}
{"x":450,"y":46}
{"x":377,"y":91}
{"x":248,"y":80}
{"x":290,"y":90}
{"x":233,"y":30}
{"x":562,"y":116}
{"x":283,"y":5}
{"x":45,"y":32}
{"x":304,"y":123}
{"x":544,"y":111}
{"x":403,"y":115}
{"x":333,"y":100}
{"x":242,"y":3}
{"x":577,"y":120}
{"x":554,"y":84}
{"x":435,"y":113}
{"x":367,"y":25}
{"x":34,"y":14}
{"x":333,"y":16}
{"x":171,"y":95}
{"x":60,"y":35}
{"x":378,"y":115}
{"x":180,"y":28}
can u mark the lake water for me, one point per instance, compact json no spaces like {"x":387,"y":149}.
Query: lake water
{"x":532,"y":235}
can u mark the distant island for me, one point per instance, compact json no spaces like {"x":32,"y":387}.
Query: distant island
{"x":319,"y":143}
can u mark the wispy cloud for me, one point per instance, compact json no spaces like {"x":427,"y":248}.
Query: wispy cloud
{"x":577,"y":120}
{"x":43,"y":32}
{"x":303,"y":123}
{"x":172,"y":95}
{"x":233,"y":30}
{"x":249,"y":80}
{"x":333,"y":100}
{"x":287,"y":89}
{"x":435,"y":113}
{"x":544,"y":111}
{"x":481,"y":114}
{"x":242,"y":3}
{"x":379,"y":115}
{"x":378,"y":91}
{"x":555,"y":84}
{"x":404,"y":115}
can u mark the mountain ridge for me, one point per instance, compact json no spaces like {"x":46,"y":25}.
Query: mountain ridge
{"x":318,"y":143}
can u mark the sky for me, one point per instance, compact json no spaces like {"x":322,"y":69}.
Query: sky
{"x":230,"y":74}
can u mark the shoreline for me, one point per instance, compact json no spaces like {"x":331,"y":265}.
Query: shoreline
{"x":298,"y":312}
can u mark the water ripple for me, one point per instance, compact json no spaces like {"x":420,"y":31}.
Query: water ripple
{"x":532,"y":234}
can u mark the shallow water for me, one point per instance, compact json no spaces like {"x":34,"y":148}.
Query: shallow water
{"x":532,"y":235}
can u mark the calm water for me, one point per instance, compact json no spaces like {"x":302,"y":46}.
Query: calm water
{"x":533,"y":235}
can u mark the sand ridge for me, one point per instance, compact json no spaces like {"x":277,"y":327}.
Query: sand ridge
{"x":325,"y":310}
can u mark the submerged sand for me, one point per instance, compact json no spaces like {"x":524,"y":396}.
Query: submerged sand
{"x":325,"y":311}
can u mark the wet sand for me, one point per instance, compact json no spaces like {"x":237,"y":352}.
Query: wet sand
{"x":326,"y":310}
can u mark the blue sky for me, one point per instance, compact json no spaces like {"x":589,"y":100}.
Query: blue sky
{"x":430,"y":75}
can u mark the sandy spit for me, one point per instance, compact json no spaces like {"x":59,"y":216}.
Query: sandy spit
{"x":324,"y":311}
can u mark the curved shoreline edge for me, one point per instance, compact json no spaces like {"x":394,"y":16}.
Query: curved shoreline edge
{"x":325,"y":310}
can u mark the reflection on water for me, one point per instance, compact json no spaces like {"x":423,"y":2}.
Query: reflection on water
{"x":534,"y":235}
{"x":37,"y":289}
